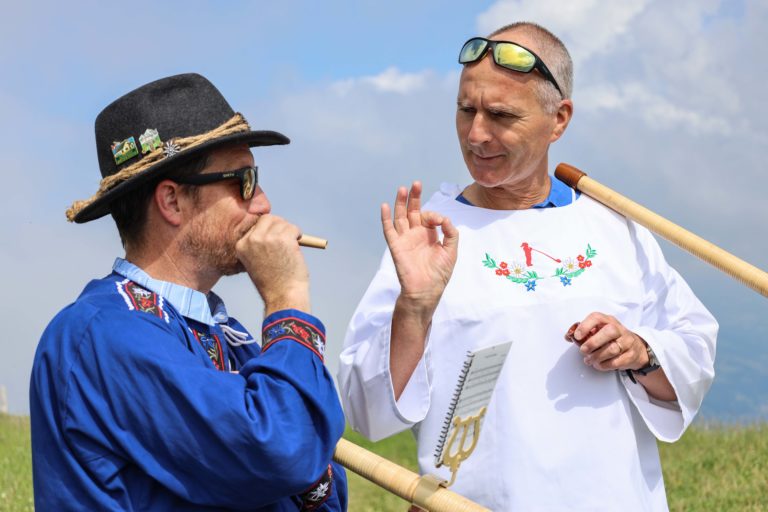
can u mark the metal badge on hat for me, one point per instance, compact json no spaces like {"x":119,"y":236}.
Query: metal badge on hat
{"x":124,"y":150}
{"x":150,"y":140}
{"x":170,"y":149}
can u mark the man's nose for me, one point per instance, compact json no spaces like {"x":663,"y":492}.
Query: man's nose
{"x":479,"y":131}
{"x":259,"y":203}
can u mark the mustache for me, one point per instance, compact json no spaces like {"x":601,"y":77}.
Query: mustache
{"x":241,"y":232}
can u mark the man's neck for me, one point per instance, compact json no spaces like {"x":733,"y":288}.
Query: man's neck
{"x":174,"y":267}
{"x":510,"y":197}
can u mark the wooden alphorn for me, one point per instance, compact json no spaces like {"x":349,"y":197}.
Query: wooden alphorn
{"x":735,"y":267}
{"x":423,"y":491}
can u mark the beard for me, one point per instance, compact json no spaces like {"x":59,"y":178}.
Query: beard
{"x":213,"y":246}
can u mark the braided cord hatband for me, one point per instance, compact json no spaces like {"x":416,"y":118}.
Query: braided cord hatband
{"x":236,"y":124}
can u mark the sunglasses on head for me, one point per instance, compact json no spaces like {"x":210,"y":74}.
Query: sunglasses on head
{"x":507,"y":55}
{"x":248,"y":176}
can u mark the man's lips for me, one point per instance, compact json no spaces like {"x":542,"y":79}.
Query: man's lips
{"x":485,"y":159}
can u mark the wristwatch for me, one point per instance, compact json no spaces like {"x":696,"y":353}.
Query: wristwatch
{"x":652,"y":366}
{"x":653,"y":362}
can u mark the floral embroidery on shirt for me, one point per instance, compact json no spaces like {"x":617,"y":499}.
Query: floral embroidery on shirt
{"x":571,"y":269}
{"x":297,"y":330}
{"x":318,"y":493}
{"x":212,"y":346}
{"x":516,"y":274}
{"x":527,"y":276}
{"x":141,"y":299}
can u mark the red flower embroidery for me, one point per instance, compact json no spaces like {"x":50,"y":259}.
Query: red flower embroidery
{"x":588,"y":263}
{"x":503,"y":264}
{"x":581,"y":264}
{"x":506,"y":272}
{"x":301,"y":332}
{"x":580,"y":257}
{"x":499,"y":272}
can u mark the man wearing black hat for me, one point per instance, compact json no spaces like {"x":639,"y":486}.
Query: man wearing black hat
{"x":145,"y":394}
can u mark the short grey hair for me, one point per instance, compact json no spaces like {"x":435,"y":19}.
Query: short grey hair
{"x":555,"y":55}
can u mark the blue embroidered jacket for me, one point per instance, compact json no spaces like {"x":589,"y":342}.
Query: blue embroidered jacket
{"x":135,"y":407}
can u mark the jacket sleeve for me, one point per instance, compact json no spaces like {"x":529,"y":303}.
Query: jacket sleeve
{"x":682,"y":334}
{"x":364,"y":378}
{"x":213,"y":438}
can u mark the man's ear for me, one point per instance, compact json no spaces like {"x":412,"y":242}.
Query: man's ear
{"x":562,"y":118}
{"x":167,"y":199}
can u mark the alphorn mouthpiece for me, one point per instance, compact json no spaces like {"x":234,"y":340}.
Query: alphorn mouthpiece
{"x":568,"y":174}
{"x":312,"y":241}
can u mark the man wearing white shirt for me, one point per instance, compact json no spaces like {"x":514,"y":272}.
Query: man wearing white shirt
{"x":571,"y":426}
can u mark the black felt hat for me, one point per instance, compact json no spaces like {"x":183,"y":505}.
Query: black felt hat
{"x":149,"y":131}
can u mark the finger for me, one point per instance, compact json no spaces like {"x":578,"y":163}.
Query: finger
{"x":450,"y":235}
{"x":592,"y":321}
{"x":386,"y":224}
{"x":280,"y":231}
{"x":614,"y":363}
{"x":401,"y":215}
{"x":620,"y":361}
{"x":262,"y":225}
{"x":430,"y":219}
{"x":603,"y":336}
{"x":608,"y":351}
{"x":414,"y":205}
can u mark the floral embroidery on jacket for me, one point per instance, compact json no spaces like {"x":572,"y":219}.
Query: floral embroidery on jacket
{"x":516,"y":273}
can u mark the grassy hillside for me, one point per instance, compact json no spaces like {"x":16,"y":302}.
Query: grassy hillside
{"x":713,"y":468}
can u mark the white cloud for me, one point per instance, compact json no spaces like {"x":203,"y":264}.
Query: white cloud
{"x":390,"y":80}
{"x":585,"y":26}
{"x":635,"y":99}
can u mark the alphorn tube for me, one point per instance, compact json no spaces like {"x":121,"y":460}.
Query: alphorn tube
{"x":312,"y":241}
{"x":422,"y":491}
{"x":735,"y":267}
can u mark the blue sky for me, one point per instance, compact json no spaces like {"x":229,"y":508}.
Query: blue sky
{"x":668,"y":110}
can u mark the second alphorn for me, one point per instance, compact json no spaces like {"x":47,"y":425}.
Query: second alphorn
{"x":734,"y":266}
{"x":423,"y":491}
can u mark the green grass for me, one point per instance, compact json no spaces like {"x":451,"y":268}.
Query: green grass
{"x":718,"y":468}
{"x":713,"y":468}
{"x":15,"y":464}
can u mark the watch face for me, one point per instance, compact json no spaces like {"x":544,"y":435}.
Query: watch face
{"x":652,"y":359}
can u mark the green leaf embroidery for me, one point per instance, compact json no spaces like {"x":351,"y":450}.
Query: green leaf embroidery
{"x":489,"y":263}
{"x":577,"y":273}
{"x":517,"y":279}
{"x":591,"y":253}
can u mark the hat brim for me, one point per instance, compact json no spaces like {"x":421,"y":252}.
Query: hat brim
{"x":101,"y":206}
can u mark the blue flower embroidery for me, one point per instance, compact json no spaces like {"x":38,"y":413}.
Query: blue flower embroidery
{"x":530,"y":286}
{"x":565,"y":280}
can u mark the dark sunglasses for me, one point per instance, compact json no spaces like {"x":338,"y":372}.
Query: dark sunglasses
{"x":507,"y":55}
{"x":248,"y":176}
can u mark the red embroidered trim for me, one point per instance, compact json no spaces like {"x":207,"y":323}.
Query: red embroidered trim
{"x":294,"y":329}
{"x":214,"y":351}
{"x":143,"y":300}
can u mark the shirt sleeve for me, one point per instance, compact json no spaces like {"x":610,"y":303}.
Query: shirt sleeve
{"x":682,"y":334}
{"x":138,"y":395}
{"x":364,"y":378}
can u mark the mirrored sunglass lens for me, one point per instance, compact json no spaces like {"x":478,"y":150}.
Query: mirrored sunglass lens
{"x":472,"y":50}
{"x":249,"y":183}
{"x":514,"y":57}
